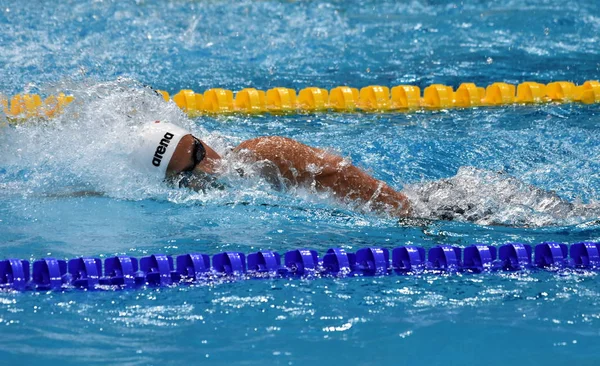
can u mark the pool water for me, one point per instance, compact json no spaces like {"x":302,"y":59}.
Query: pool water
{"x":105,"y":52}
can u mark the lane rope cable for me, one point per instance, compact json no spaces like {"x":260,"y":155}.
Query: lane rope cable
{"x":121,"y":272}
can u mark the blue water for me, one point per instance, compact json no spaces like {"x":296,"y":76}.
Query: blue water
{"x":103,"y":53}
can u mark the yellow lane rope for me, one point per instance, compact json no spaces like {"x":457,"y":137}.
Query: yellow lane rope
{"x":372,"y":98}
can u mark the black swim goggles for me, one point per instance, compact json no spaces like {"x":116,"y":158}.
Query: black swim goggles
{"x":198,"y":152}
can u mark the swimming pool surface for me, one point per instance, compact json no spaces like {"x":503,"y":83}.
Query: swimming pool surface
{"x":104,"y":52}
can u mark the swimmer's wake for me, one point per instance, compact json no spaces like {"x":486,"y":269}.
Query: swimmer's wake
{"x":109,"y":152}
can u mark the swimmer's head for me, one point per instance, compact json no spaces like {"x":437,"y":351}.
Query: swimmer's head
{"x":156,"y":146}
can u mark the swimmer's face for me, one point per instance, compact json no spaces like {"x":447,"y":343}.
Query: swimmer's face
{"x":188,"y":153}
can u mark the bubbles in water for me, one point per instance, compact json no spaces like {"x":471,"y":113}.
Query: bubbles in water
{"x":88,"y":150}
{"x":88,"y":147}
{"x":494,"y":198}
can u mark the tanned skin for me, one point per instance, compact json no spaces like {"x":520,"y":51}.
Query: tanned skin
{"x":300,"y":164}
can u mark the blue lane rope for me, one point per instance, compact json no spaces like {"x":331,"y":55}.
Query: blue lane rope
{"x":162,"y":270}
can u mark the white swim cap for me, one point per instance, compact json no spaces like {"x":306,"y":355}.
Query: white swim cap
{"x":157,"y":145}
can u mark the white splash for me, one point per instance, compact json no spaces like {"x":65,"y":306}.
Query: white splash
{"x":493,"y":198}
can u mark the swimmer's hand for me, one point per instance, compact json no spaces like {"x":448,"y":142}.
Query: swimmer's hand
{"x":198,"y":181}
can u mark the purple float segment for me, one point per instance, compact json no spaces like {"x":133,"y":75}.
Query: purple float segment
{"x":49,"y":273}
{"x":157,"y":268}
{"x":193,"y":265}
{"x":551,"y":254}
{"x":302,"y":261}
{"x":479,"y":257}
{"x":515,"y":256}
{"x":264,"y":261}
{"x":85,"y":272}
{"x":585,"y":255}
{"x":373,"y":261}
{"x":14,"y":273}
{"x":445,"y":257}
{"x":230,"y":263}
{"x":337,"y":261}
{"x":408,"y":258}
{"x":121,"y":270}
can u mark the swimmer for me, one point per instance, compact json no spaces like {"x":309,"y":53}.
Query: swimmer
{"x":172,"y":153}
{"x":169,"y":151}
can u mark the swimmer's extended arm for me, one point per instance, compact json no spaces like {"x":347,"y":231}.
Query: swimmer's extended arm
{"x":302,"y":164}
